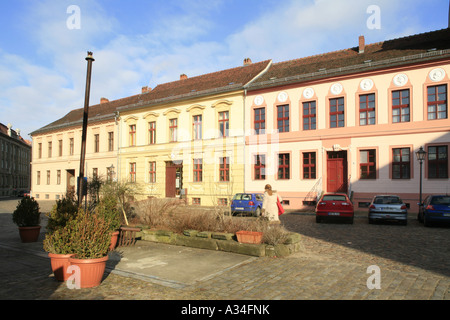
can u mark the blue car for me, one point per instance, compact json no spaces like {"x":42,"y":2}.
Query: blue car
{"x":247,"y":204}
{"x":435,"y":208}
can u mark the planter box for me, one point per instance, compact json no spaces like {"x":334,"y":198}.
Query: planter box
{"x":249,"y":237}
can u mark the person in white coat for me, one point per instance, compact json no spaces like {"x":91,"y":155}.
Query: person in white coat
{"x":270,"y":207}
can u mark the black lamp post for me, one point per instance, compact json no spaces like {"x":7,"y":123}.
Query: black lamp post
{"x":81,"y":182}
{"x":421,"y":154}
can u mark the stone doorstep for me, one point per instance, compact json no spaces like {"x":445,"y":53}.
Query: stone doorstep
{"x":222,"y":241}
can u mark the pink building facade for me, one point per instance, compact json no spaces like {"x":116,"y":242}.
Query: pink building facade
{"x":352,"y":121}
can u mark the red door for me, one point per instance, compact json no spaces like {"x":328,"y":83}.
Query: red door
{"x":171,"y":175}
{"x":336,"y":172}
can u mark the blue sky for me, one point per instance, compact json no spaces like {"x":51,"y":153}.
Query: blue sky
{"x":140,"y":43}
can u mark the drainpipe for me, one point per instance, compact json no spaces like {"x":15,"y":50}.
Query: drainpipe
{"x":119,"y":125}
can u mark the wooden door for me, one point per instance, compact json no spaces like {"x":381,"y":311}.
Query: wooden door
{"x":337,"y":172}
{"x":171,"y":175}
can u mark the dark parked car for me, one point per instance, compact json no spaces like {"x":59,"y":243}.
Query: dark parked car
{"x":23,"y":193}
{"x":334,"y":205}
{"x":435,"y":208}
{"x":388,"y":208}
{"x":247,"y":203}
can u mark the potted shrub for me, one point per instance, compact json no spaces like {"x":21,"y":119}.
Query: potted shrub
{"x":57,"y":241}
{"x":90,"y":241}
{"x":108,"y":208}
{"x":27,"y":217}
{"x":58,"y":244}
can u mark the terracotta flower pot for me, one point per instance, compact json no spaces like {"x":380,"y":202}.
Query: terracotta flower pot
{"x":114,"y":238}
{"x":91,"y":270}
{"x":249,"y":237}
{"x":29,"y":234}
{"x":60,"y":263}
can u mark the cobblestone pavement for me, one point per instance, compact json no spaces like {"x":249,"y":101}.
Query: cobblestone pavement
{"x":413,"y":260}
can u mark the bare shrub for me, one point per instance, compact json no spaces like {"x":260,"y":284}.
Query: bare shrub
{"x":156,"y":212}
{"x":275,"y":234}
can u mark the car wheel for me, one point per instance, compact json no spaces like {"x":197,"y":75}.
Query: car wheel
{"x":257,"y":212}
{"x":350,"y":220}
{"x":371,"y":221}
{"x":318,"y":220}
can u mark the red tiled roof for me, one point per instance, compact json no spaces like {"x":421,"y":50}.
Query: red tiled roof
{"x":4,"y":131}
{"x":376,"y":55}
{"x":221,"y":81}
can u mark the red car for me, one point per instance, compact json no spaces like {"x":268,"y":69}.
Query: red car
{"x":334,"y":205}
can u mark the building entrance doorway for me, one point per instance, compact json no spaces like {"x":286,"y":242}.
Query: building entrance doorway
{"x":174,"y":179}
{"x":337,"y":169}
{"x":71,"y":182}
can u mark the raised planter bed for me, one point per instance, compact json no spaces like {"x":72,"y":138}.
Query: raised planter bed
{"x":223,"y":242}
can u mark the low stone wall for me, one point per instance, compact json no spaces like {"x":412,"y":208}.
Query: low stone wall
{"x":223,"y":242}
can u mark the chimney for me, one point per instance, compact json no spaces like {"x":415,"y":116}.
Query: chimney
{"x":247,"y":61}
{"x":103,"y":100}
{"x":183,"y":77}
{"x":146,"y":89}
{"x":362,"y":44}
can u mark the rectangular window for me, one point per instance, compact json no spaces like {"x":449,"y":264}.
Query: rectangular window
{"x":198,"y":170}
{"x":38,"y":178}
{"x":337,"y":113}
{"x":132,"y":134}
{"x":309,"y":165}
{"x":196,"y":201}
{"x":283,"y":118}
{"x":96,"y":143}
{"x":152,"y":172}
{"x":437,"y":102}
{"x":283,"y":166}
{"x":260,"y":120}
{"x":367,"y":164}
{"x":222,"y":201}
{"x":40,"y":150}
{"x":60,"y":148}
{"x":50,"y":149}
{"x":224,"y":123}
{"x":224,"y":169}
{"x":58,"y":177}
{"x":48,"y":177}
{"x":110,"y":141}
{"x":173,"y":127}
{"x":133,"y":172}
{"x":95,"y":173}
{"x":438,"y":162}
{"x":401,"y":163}
{"x":197,"y":124}
{"x":309,"y":115}
{"x":400,"y":106}
{"x":71,"y":146}
{"x":366,"y":109}
{"x":152,"y":132}
{"x":260,"y":167}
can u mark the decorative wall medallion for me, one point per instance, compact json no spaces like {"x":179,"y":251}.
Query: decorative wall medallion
{"x":259,"y":100}
{"x":400,"y":80}
{"x":336,"y":88}
{"x":308,"y":93}
{"x":437,"y":74}
{"x":282,"y":97}
{"x":366,"y":84}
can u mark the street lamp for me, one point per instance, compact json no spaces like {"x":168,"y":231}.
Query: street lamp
{"x":421,"y":157}
{"x":89,"y":60}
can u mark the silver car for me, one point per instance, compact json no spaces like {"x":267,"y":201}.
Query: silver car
{"x":388,"y":208}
